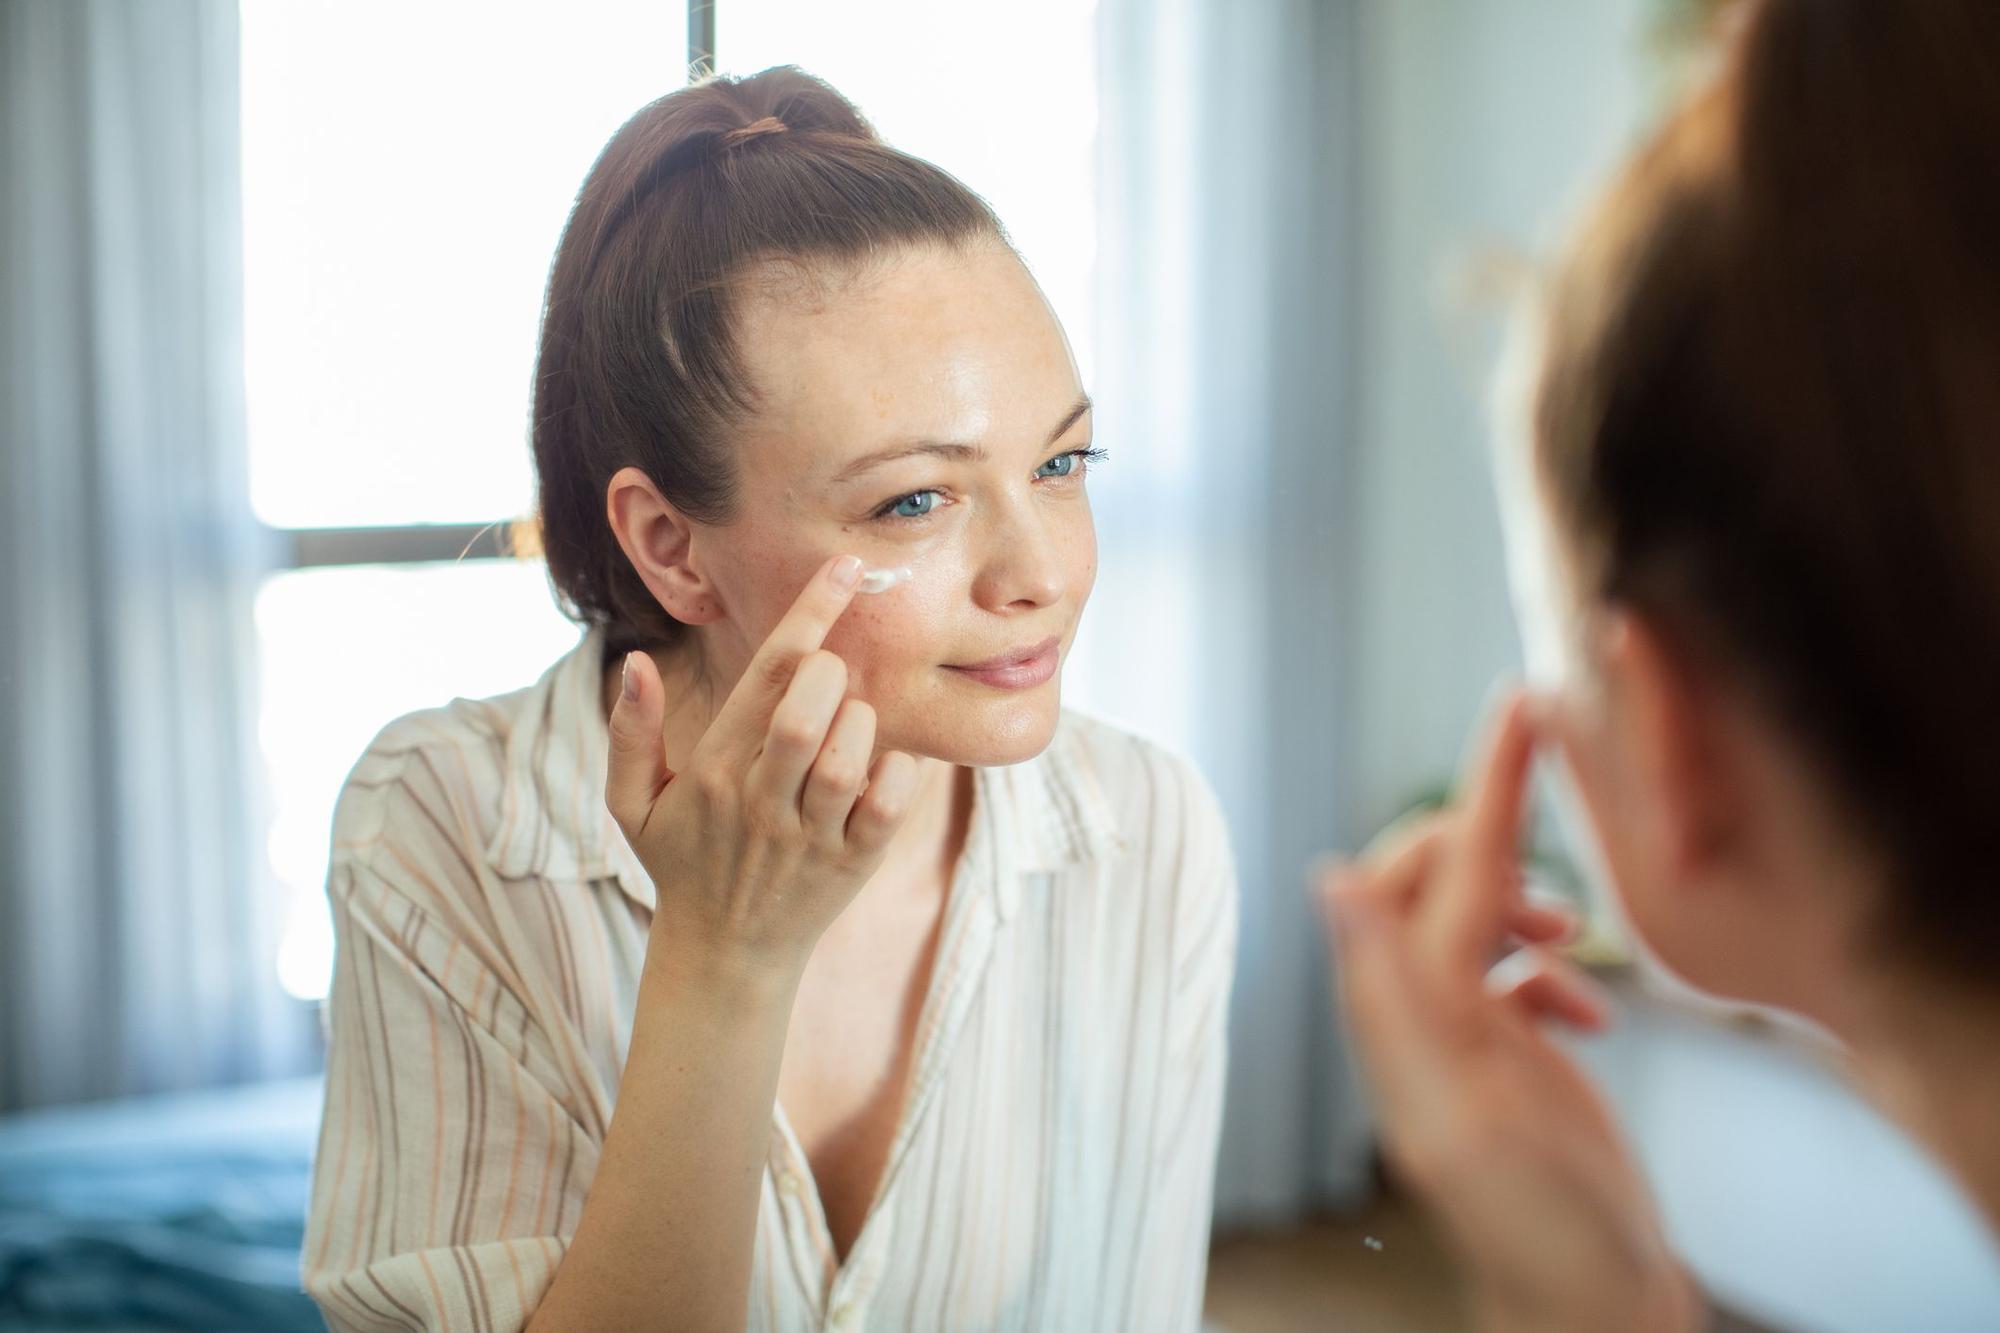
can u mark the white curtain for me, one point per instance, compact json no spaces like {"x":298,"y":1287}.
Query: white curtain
{"x":1221,"y":348}
{"x":137,"y":931}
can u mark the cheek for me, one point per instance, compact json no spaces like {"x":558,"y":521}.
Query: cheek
{"x":1599,"y":763}
{"x":894,"y":642}
{"x":1083,"y":558}
{"x":1607,"y":825}
{"x":1593,"y":826}
{"x":888,"y":638}
{"x":758,"y":573}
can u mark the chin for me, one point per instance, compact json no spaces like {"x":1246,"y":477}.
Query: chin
{"x":1009,"y":729}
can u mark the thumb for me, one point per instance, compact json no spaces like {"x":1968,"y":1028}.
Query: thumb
{"x":637,"y":769}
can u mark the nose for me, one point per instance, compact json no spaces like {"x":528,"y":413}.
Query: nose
{"x":1022,"y":565}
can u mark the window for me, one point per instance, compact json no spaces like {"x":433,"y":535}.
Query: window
{"x":406,"y":173}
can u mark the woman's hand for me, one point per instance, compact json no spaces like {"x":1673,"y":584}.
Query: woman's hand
{"x":1481,"y":1112}
{"x":777,"y":821}
{"x":782,"y":812}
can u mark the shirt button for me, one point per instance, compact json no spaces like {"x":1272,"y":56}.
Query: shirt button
{"x":843,"y":1316}
{"x":789,"y":1183}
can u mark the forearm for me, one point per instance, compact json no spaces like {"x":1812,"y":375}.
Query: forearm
{"x":667,"y":1230}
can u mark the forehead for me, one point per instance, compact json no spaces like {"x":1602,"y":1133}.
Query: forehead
{"x":955,"y":345}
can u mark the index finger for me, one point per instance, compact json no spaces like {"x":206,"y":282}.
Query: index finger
{"x":1500,"y":784}
{"x":1466,"y":918}
{"x":803,"y":629}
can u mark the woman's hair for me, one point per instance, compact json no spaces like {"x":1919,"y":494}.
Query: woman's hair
{"x":1768,"y":417}
{"x":639,"y":365}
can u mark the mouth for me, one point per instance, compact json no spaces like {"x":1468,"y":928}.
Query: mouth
{"x":1016,"y":669}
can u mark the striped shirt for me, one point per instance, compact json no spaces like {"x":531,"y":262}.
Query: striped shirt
{"x":1053,"y":1163}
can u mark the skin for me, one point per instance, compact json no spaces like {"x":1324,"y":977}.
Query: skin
{"x":794,"y":775}
{"x":957,"y":349}
{"x":1718,"y":836}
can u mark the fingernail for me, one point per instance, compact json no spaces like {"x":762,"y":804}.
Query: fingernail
{"x":630,"y":686}
{"x":846,"y":572}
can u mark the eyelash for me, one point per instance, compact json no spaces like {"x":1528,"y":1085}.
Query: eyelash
{"x":1083,"y":456}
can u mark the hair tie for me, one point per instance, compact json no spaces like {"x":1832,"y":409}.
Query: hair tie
{"x":768,"y":125}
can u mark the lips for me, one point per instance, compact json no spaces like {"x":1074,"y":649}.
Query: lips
{"x":1017,"y":669}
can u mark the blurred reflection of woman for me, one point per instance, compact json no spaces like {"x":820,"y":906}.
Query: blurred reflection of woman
{"x":884,"y":994}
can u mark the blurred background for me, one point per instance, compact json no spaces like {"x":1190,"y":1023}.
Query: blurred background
{"x":270,"y":275}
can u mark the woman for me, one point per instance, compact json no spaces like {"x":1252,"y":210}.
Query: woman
{"x":785,"y":956}
{"x":1765,"y":471}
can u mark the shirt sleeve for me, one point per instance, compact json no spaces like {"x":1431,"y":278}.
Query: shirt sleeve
{"x":452,"y":1158}
{"x":1174,"y":1243}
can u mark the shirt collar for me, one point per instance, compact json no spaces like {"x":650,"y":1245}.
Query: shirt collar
{"x":1039,"y":816}
{"x":553,"y":821}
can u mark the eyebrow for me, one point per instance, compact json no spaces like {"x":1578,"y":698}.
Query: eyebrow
{"x":967,"y":453}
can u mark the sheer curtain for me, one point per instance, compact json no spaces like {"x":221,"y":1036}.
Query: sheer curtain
{"x":1221,"y":346}
{"x":136,"y":931}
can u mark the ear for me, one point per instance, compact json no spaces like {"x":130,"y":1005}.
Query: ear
{"x":1671,"y":723}
{"x":661,"y":542}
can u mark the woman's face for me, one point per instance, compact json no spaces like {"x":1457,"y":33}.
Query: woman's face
{"x":922,"y":412}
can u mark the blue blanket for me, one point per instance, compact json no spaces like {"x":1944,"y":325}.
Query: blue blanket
{"x":182,"y":1212}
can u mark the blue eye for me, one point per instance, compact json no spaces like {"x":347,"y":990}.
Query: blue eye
{"x":914,"y":505}
{"x":1066,"y":465}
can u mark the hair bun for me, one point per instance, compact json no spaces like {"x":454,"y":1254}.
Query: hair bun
{"x":768,"y":125}
{"x":801,"y":102}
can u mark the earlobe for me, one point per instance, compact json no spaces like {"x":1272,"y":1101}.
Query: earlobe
{"x":661,"y":542}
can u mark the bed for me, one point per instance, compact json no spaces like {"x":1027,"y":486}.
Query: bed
{"x":171,"y":1212}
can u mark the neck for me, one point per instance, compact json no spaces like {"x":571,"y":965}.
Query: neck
{"x":1925,"y":1055}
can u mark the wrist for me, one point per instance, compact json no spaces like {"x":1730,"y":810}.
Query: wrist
{"x":730,"y":982}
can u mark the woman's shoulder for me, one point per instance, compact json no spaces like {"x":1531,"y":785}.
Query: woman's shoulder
{"x":1129,"y":761}
{"x":1172,"y":839}
{"x":431,"y":775}
{"x":1147,"y":788}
